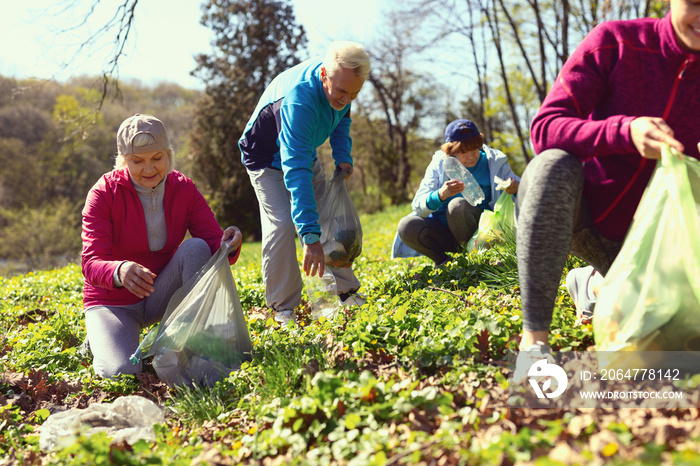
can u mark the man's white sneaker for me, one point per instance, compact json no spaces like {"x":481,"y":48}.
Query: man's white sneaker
{"x":284,"y":317}
{"x":351,"y":299}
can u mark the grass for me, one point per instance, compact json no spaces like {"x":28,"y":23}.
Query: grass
{"x":416,"y":376}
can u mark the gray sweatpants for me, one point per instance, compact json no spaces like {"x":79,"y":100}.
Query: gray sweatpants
{"x":553,"y":221}
{"x":433,"y":239}
{"x":113,"y":331}
{"x":280,"y":268}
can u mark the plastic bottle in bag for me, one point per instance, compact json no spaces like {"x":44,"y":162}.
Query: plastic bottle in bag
{"x":456,"y":171}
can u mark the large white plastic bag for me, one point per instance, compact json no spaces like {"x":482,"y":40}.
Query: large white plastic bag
{"x":341,"y":231}
{"x":128,"y":418}
{"x":650,"y":298}
{"x":203,"y":335}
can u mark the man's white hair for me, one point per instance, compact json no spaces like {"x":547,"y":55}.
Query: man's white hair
{"x":346,"y":54}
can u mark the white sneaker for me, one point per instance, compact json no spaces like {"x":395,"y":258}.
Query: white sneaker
{"x":527,"y":357}
{"x":284,"y":317}
{"x":577,"y":283}
{"x":351,"y":299}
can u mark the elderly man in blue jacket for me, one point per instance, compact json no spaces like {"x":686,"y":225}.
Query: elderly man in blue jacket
{"x":302,"y":108}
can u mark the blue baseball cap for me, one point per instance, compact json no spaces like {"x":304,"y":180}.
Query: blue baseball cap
{"x":459,"y":130}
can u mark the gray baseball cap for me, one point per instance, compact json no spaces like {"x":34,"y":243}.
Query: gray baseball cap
{"x":138,"y":124}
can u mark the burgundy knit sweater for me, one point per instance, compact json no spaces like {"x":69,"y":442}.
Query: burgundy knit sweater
{"x":622,"y":70}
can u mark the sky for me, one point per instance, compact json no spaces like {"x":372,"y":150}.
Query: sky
{"x":167,"y":36}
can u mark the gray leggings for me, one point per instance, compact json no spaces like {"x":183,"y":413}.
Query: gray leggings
{"x":113,"y":331}
{"x":553,"y":221}
{"x":433,"y":239}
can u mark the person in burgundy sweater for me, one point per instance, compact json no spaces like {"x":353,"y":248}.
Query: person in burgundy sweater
{"x":629,"y":88}
{"x":134,"y":222}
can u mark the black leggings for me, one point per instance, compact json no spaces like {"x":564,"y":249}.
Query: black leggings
{"x":431,"y":238}
{"x":553,"y":221}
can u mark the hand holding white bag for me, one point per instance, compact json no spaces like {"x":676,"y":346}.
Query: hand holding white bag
{"x":341,"y":231}
{"x":203,"y":335}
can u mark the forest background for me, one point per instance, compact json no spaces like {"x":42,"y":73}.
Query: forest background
{"x":58,"y":138}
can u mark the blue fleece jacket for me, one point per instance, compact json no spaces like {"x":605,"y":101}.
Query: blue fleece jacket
{"x":292,"y":119}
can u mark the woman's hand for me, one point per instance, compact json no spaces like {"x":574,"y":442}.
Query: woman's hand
{"x":232,"y":237}
{"x":450,"y":188}
{"x":314,"y":259}
{"x":649,"y":134}
{"x":137,"y":279}
{"x":513,"y":187}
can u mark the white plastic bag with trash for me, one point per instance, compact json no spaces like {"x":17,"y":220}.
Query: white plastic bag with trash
{"x":203,"y":335}
{"x":341,"y":231}
{"x":128,"y":418}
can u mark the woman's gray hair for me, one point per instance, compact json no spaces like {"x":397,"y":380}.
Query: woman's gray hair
{"x":140,"y":140}
{"x":350,"y":55}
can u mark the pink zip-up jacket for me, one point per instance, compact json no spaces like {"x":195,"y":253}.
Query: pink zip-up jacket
{"x":114,"y":229}
{"x":621,"y":70}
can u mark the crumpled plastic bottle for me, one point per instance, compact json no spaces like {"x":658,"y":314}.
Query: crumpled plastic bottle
{"x":323,"y":295}
{"x":456,"y":171}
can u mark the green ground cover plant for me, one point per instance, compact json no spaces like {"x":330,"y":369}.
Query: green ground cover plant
{"x":418,"y":375}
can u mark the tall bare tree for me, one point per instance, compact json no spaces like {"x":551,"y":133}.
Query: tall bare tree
{"x":492,"y":18}
{"x":78,"y":18}
{"x":254,"y":41}
{"x":402,"y":100}
{"x":529,"y":41}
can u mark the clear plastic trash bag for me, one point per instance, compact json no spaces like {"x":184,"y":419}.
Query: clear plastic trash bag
{"x":128,"y":418}
{"x":496,"y":225}
{"x":650,"y":298}
{"x":341,"y":231}
{"x":203,"y":335}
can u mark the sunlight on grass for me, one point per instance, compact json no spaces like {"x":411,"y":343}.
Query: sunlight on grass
{"x":388,"y":380}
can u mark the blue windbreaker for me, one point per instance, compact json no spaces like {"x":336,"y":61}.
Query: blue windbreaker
{"x":293,"y":118}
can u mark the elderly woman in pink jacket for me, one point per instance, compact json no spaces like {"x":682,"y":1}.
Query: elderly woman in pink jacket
{"x":629,"y":88}
{"x":134,"y":222}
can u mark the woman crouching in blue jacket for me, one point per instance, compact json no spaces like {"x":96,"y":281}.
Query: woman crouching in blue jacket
{"x":442,"y":219}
